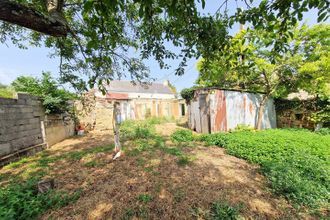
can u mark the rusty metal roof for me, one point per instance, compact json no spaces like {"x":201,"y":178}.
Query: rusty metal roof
{"x":116,"y":96}
{"x":127,"y":87}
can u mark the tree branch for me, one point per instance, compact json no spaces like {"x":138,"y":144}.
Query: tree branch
{"x":25,"y":16}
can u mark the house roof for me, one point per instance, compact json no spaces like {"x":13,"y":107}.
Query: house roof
{"x":127,"y":87}
{"x":117,"y":96}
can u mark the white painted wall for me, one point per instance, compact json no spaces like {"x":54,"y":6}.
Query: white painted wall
{"x":150,"y":96}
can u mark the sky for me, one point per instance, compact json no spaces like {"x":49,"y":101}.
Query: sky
{"x":15,"y":62}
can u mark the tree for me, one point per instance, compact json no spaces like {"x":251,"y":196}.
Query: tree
{"x":250,"y":63}
{"x":54,"y":99}
{"x":93,"y":38}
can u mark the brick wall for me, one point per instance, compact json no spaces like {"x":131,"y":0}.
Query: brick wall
{"x":20,"y":123}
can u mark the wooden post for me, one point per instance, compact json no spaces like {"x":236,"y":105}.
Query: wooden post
{"x":116,"y":122}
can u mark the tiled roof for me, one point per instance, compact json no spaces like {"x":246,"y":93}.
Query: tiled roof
{"x":127,"y":86}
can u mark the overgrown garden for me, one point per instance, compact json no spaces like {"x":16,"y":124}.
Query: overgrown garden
{"x":295,"y":161}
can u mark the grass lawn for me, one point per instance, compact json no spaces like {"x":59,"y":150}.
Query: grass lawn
{"x":167,"y":172}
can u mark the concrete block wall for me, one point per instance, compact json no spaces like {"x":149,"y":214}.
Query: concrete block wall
{"x":20,"y":123}
{"x":58,"y":127}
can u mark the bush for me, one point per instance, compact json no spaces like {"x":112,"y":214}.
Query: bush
{"x":296,"y":161}
{"x":182,"y":136}
{"x":54,"y":98}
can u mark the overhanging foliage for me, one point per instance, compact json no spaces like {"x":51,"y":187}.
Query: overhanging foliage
{"x":103,"y":34}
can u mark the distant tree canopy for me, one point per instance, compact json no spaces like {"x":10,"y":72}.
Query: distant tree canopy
{"x":6,"y":91}
{"x":249,"y":62}
{"x":54,"y":98}
{"x":94,"y":39}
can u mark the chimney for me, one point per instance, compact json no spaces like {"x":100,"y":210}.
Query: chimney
{"x":166,"y":83}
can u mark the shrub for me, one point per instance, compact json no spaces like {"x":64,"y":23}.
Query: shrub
{"x":182,"y":136}
{"x":295,"y":161}
{"x":55,"y":99}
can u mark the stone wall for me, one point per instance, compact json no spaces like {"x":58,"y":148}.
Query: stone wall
{"x":292,"y":118}
{"x":295,"y":113}
{"x":20,"y":124}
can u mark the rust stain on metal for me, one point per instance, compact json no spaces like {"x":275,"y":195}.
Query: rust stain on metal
{"x":250,"y":108}
{"x":220,"y":117}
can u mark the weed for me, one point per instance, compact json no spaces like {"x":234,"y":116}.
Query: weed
{"x":18,"y":163}
{"x":243,"y":127}
{"x":184,"y":160}
{"x":199,"y":213}
{"x":133,"y":153}
{"x":94,"y":163}
{"x":179,"y":195}
{"x":129,"y":214}
{"x":173,"y":151}
{"x":144,"y":198}
{"x":133,"y":130}
{"x":182,"y":135}
{"x":22,"y":200}
{"x":223,"y":211}
{"x":141,"y":161}
{"x":149,"y":169}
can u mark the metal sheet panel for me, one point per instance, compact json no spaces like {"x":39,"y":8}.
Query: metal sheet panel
{"x":204,"y":113}
{"x":223,"y":110}
{"x":242,"y":109}
{"x":194,"y":116}
{"x":218,"y":111}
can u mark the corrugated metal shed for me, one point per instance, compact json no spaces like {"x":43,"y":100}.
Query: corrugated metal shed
{"x":217,"y":110}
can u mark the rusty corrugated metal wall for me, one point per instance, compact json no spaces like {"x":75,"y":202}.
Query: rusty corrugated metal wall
{"x":223,"y":110}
